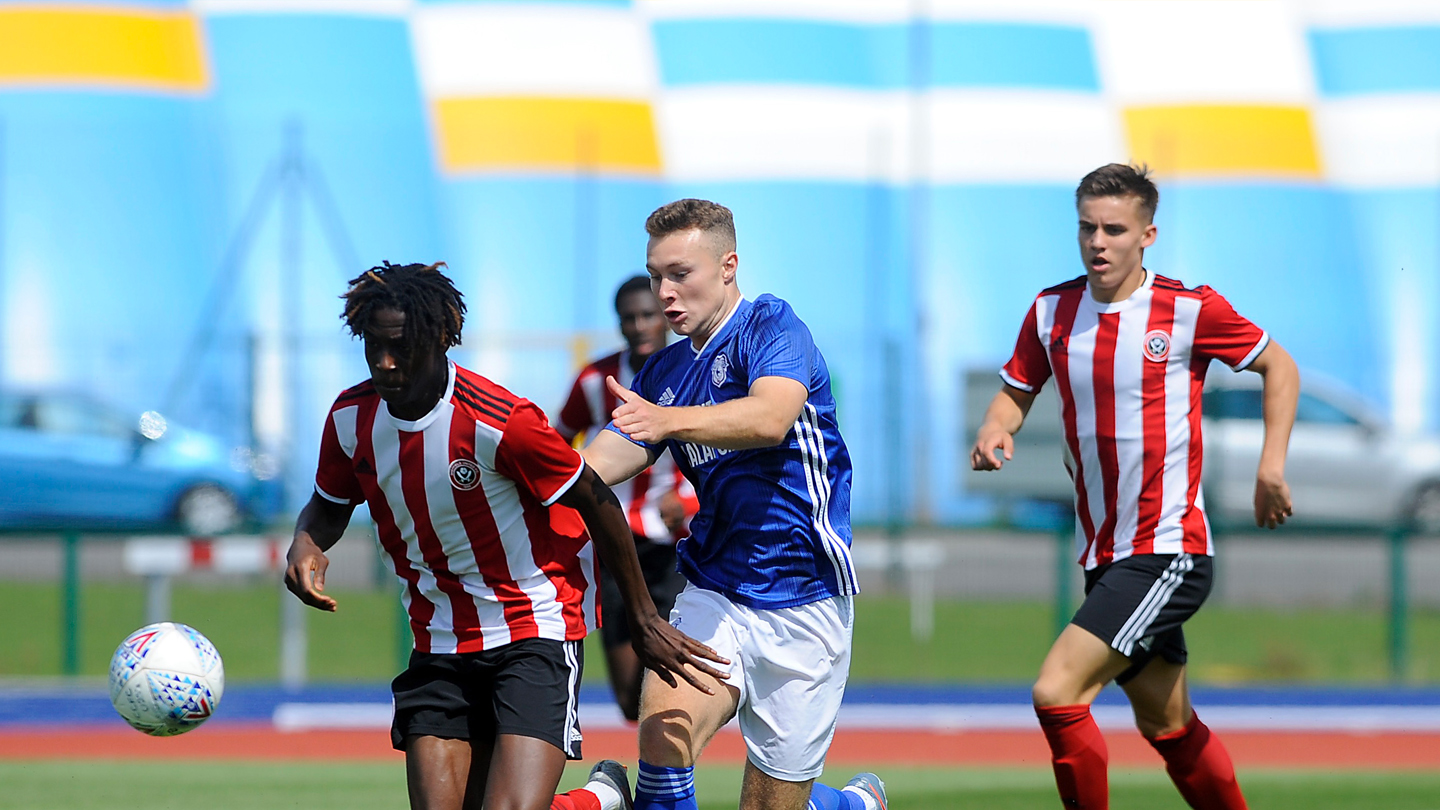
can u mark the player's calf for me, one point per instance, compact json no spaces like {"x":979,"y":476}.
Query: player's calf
{"x":1200,"y":767}
{"x":1078,"y":755}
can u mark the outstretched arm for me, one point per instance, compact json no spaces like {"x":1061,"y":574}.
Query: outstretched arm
{"x":1280,"y":395}
{"x":319,"y":527}
{"x":614,"y":459}
{"x":659,"y":646}
{"x":1002,"y":421}
{"x":761,"y":418}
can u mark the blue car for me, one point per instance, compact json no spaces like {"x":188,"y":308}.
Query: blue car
{"x":69,"y":462}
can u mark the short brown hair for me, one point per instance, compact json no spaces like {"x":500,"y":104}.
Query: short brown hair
{"x":710,"y":218}
{"x":1121,"y":180}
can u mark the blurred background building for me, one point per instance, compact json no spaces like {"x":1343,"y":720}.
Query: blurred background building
{"x":185,"y":187}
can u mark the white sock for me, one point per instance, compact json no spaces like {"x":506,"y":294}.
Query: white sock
{"x":609,"y":797}
{"x":870,"y":803}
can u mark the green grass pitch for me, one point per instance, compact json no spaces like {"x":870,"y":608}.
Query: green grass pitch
{"x":93,"y":785}
{"x":360,"y":641}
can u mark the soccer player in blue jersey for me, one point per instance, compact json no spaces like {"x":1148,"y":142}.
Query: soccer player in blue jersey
{"x":744,"y":407}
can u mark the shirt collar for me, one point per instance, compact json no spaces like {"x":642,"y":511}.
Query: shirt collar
{"x":429,"y":418}
{"x":721,"y":328}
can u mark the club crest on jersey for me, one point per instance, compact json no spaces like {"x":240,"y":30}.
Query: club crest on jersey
{"x":1157,"y":345}
{"x":464,"y":474}
{"x":719,"y":369}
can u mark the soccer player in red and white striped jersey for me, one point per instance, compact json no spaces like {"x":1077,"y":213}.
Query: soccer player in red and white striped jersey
{"x":1128,"y":351}
{"x":481,"y":510}
{"x":659,"y":500}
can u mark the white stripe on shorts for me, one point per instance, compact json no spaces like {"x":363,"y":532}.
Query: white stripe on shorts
{"x":1149,"y":608}
{"x":571,"y":732}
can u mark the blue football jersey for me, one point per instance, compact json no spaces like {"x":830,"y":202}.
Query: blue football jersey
{"x":773,"y":528}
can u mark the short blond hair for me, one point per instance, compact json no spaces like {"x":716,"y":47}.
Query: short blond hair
{"x":710,"y":218}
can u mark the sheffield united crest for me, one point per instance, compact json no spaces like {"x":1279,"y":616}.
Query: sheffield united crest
{"x":1157,"y":345}
{"x":464,"y":474}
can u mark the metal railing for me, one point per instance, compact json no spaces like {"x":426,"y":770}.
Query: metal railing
{"x":916,"y":559}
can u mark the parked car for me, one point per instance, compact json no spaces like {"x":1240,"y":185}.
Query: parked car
{"x":1347,"y":466}
{"x":68,"y":461}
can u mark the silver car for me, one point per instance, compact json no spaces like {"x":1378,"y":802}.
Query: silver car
{"x":1347,"y":466}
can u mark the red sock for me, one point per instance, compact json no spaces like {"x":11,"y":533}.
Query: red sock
{"x":1078,"y":753}
{"x":577,"y":799}
{"x":1200,"y":767}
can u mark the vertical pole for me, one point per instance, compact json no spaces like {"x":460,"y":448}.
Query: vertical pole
{"x":1064,"y":596}
{"x":882,"y":354}
{"x":291,"y":189}
{"x":922,"y":559}
{"x":252,"y":377}
{"x":918,"y":391}
{"x":293,"y":647}
{"x":1399,"y":604}
{"x":71,"y":643}
{"x":893,"y":458}
{"x":157,"y":598}
{"x":922,"y":603}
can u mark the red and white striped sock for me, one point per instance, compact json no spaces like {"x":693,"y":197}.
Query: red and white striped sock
{"x":577,"y":799}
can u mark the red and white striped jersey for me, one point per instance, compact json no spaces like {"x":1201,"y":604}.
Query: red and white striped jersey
{"x":587,"y":411}
{"x":464,"y":506}
{"x":1129,"y":377}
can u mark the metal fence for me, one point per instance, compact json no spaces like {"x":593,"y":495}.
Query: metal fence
{"x":1380,"y":568}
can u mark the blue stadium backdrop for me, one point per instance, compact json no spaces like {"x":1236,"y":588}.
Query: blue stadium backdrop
{"x":185,"y":186}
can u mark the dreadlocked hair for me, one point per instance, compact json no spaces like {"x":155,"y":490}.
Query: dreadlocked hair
{"x":434,"y":309}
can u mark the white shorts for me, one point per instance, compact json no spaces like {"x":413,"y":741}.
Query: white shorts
{"x":790,"y":665}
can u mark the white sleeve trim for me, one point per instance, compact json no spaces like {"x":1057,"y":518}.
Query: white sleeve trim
{"x":1011,"y":381}
{"x":331,"y":498}
{"x":1254,"y":353}
{"x":565,"y":487}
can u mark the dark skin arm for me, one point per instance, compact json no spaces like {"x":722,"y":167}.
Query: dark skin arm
{"x":318,"y":528}
{"x":659,"y":646}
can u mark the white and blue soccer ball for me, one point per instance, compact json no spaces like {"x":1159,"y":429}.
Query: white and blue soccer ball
{"x":166,"y":679}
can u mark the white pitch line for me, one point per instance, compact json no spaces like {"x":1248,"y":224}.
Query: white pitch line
{"x":952,"y":717}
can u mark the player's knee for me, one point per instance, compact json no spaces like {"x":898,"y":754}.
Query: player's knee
{"x":1157,"y":723}
{"x":667,"y":742}
{"x":1050,"y":690}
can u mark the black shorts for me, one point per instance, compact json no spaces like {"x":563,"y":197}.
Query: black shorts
{"x":529,"y":687}
{"x":1137,"y":605}
{"x":663,"y":579}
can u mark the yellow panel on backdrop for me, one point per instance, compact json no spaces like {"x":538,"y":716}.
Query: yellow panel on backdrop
{"x":86,"y":46}
{"x":1216,"y":139}
{"x":478,"y":134}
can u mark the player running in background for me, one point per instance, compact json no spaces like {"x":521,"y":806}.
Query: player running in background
{"x":1129,"y":350}
{"x":768,"y":558}
{"x":481,"y":510}
{"x":658,"y":501}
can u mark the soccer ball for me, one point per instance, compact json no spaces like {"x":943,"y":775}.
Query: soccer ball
{"x":166,"y":679}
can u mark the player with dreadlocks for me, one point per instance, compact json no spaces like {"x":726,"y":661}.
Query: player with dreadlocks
{"x":482,"y":511}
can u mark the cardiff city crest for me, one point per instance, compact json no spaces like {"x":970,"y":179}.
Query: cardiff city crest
{"x":719,"y":369}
